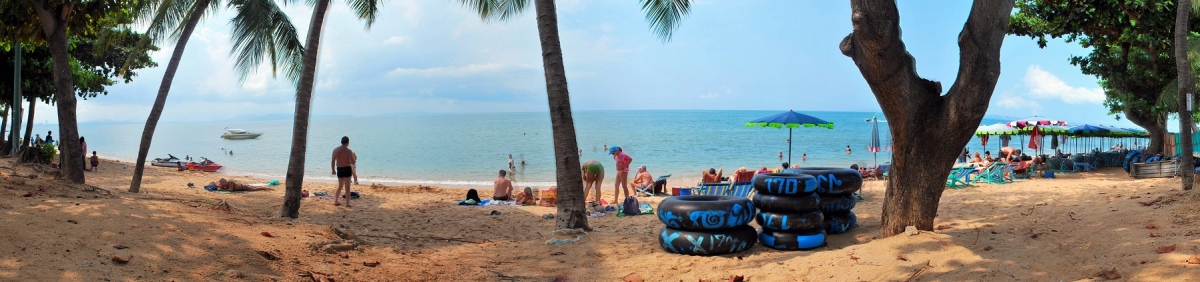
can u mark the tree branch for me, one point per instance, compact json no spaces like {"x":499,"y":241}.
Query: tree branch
{"x":979,"y":43}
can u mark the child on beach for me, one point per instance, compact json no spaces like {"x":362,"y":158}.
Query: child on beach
{"x":95,"y":161}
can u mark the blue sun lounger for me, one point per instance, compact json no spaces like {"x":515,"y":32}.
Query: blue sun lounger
{"x":741,"y":188}
{"x":712,"y":189}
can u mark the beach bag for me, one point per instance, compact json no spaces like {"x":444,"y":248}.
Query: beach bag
{"x":631,"y":207}
{"x":473,"y":195}
{"x":549,"y":198}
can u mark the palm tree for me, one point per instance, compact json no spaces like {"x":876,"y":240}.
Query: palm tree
{"x":365,"y":9}
{"x":260,"y":29}
{"x":664,"y":17}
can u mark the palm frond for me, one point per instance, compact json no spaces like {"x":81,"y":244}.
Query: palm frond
{"x":496,"y":10}
{"x":263,"y":32}
{"x":665,"y":15}
{"x":163,"y":17}
{"x":365,"y":9}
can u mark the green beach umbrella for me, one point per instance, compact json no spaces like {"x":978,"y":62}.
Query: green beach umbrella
{"x":789,"y":119}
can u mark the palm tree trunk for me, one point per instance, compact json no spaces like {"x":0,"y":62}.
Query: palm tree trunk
{"x":55,"y":30}
{"x":29,"y":123}
{"x":567,"y":172}
{"x":923,"y":154}
{"x":1182,"y":15}
{"x":163,"y":89}
{"x":295,"y":171}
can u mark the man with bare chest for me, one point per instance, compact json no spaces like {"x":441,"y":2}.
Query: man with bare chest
{"x":342,"y":165}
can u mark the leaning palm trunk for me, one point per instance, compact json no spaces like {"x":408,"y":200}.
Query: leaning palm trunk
{"x":29,"y":123}
{"x":163,"y":89}
{"x":295,"y":171}
{"x":566,"y":155}
{"x":54,"y":26}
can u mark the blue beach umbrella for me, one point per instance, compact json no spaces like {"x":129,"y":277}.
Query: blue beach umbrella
{"x":874,"y":147}
{"x":790,"y":119}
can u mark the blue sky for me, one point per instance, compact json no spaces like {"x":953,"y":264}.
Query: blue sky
{"x":435,"y":56}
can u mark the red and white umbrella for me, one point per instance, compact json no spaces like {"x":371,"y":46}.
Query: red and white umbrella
{"x":1035,"y":121}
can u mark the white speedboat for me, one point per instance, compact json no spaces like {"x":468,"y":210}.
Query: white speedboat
{"x":169,"y":161}
{"x":239,"y":134}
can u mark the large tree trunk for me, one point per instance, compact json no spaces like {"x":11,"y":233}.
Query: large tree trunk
{"x":54,"y":27}
{"x":566,"y":155}
{"x":29,"y":123}
{"x":295,"y":171}
{"x":1155,"y":125}
{"x":164,"y":88}
{"x":924,"y":154}
{"x":1183,"y":66}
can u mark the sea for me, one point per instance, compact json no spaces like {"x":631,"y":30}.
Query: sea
{"x":461,"y":150}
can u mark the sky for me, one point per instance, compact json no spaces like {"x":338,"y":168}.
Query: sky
{"x":434,"y":56}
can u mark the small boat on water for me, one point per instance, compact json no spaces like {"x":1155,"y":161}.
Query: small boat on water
{"x":203,"y":165}
{"x":239,"y":134}
{"x":169,"y":161}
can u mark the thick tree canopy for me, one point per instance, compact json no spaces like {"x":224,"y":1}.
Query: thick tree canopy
{"x":1131,"y":46}
{"x":96,"y":62}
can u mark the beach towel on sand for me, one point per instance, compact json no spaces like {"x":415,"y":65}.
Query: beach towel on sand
{"x":480,"y":203}
{"x":643,"y":209}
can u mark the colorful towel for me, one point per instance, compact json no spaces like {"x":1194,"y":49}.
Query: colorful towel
{"x":644,"y":209}
{"x":464,"y":203}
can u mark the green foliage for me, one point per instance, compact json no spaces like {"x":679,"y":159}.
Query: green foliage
{"x":664,"y":16}
{"x":263,"y":32}
{"x":97,"y":61}
{"x":1131,"y":44}
{"x":48,"y":153}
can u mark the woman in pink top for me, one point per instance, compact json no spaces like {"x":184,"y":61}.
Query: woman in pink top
{"x":623,"y":162}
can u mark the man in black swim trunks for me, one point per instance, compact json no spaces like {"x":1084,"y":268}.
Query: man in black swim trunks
{"x":502,"y":188}
{"x":342,"y":165}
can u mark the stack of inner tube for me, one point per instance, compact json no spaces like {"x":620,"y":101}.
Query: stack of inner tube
{"x":836,"y":186}
{"x":790,"y":217}
{"x":706,"y":225}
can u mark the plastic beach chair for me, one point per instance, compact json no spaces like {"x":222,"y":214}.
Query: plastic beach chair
{"x":959,"y":178}
{"x":712,"y":188}
{"x":741,"y":188}
{"x":660,"y":182}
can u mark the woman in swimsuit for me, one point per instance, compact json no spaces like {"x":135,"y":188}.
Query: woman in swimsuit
{"x":593,"y":176}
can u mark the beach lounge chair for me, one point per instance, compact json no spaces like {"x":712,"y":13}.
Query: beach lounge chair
{"x":1025,"y":170}
{"x":959,"y":178}
{"x":993,"y":174}
{"x":712,"y":188}
{"x":1082,"y":163}
{"x":659,"y":187}
{"x":741,"y":188}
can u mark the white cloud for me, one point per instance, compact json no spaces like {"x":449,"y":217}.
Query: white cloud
{"x":395,"y":40}
{"x":709,"y":96}
{"x":1042,"y":84}
{"x":454,"y":71}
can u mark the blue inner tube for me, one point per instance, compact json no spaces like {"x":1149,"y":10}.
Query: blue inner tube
{"x":698,"y":212}
{"x":784,"y":184}
{"x":786,"y":204}
{"x":708,"y":243}
{"x":792,"y":241}
{"x":838,"y":223}
{"x":837,"y":203}
{"x":790,"y":222}
{"x":834,"y":180}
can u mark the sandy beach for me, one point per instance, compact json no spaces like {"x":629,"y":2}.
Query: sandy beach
{"x":1071,"y":228}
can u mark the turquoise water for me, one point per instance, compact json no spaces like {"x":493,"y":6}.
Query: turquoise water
{"x":468,"y":149}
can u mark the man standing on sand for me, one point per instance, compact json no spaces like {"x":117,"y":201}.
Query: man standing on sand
{"x":623,"y":162}
{"x":343,"y":166}
{"x":502,"y":188}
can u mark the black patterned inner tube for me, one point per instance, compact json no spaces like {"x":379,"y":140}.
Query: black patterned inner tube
{"x":786,"y":204}
{"x":701,"y":213}
{"x":708,"y":243}
{"x":790,"y":222}
{"x":837,"y":203}
{"x":784,"y":184}
{"x":838,"y":223}
{"x":834,"y":180}
{"x":792,"y":241}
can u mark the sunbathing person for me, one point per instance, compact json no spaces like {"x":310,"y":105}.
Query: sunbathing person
{"x":763,"y":170}
{"x":977,"y":159}
{"x":642,"y":181}
{"x":711,"y":175}
{"x":526,"y":197}
{"x":230,"y":185}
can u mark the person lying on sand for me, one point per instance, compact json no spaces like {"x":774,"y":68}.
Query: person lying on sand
{"x":230,"y":185}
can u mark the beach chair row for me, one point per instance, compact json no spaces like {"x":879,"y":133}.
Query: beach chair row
{"x":739,"y":189}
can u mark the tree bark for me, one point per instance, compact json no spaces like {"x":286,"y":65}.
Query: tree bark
{"x":55,"y":29}
{"x":924,"y":154}
{"x":1155,"y":125}
{"x":29,"y":124}
{"x":568,"y":175}
{"x":1183,"y":66}
{"x":295,"y":171}
{"x":164,"y":88}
